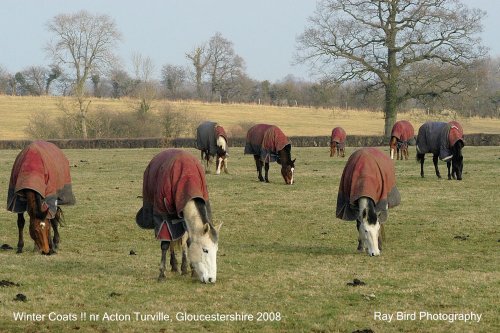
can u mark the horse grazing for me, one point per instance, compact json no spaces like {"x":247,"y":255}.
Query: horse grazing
{"x":267,"y":143}
{"x":175,"y":201}
{"x":367,"y":190}
{"x":211,"y":140}
{"x":402,"y":135}
{"x":337,"y":142}
{"x":445,"y":141}
{"x":40,"y":181}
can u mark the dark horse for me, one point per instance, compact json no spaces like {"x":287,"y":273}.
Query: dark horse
{"x":445,"y":141}
{"x":267,"y":143}
{"x":402,"y":135}
{"x":337,"y":142}
{"x":40,"y":181}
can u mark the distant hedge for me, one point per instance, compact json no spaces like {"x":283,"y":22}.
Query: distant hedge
{"x":479,"y":139}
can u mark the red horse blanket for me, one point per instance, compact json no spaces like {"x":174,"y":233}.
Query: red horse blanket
{"x":206,"y":137}
{"x":265,"y":141}
{"x":367,"y":173}
{"x":338,"y":136}
{"x":404,"y":133}
{"x":44,"y":168}
{"x":438,"y":138}
{"x":172,"y":178}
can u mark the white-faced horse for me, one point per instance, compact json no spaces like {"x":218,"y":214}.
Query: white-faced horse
{"x":211,"y":140}
{"x":175,"y":201}
{"x":367,"y":190}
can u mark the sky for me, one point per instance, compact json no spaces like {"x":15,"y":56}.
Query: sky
{"x":263,"y":32}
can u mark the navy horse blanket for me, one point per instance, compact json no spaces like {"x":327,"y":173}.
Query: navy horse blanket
{"x":438,"y":138}
{"x":367,"y":173}
{"x":172,"y":178}
{"x":206,"y":137}
{"x":404,"y":133}
{"x":41,"y":167}
{"x":338,"y":136}
{"x":265,"y":141}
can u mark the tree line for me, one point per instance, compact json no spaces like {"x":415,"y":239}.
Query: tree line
{"x":384,"y":54}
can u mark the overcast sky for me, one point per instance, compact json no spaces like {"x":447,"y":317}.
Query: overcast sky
{"x":263,"y":32}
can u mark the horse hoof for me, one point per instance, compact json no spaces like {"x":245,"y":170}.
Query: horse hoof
{"x":19,"y":251}
{"x":162,"y":277}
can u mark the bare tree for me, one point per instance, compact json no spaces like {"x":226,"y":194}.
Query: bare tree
{"x":225,"y":66}
{"x":199,"y":58}
{"x":145,"y":88}
{"x":382,"y":41}
{"x":83,"y":43}
{"x":173,"y":78}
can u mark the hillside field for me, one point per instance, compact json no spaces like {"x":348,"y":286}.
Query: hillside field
{"x":283,"y":256}
{"x":15,"y":113}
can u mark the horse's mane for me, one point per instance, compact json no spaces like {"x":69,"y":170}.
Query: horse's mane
{"x":205,"y":212}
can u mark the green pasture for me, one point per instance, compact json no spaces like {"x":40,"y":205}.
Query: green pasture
{"x":283,"y":255}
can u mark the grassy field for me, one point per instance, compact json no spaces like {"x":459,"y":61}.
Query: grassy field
{"x":15,"y":113}
{"x":282,"y":253}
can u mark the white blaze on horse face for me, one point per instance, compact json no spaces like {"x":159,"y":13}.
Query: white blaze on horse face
{"x":291,"y":180}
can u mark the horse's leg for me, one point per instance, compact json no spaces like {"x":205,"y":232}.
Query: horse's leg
{"x":360,"y":243}
{"x":435,"y":161}
{"x":266,"y":169}
{"x":20,"y":227}
{"x":448,"y":165}
{"x":164,"y":248}
{"x":343,"y":152}
{"x":380,"y":236}
{"x":421,"y":158}
{"x":258,"y":164}
{"x":173,"y":259}
{"x":332,"y":150}
{"x":398,"y":153}
{"x":184,"y":269}
{"x":224,"y":163}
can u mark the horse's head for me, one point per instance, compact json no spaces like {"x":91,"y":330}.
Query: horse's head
{"x":39,"y":222}
{"x":392,"y":146}
{"x":287,"y":164}
{"x":203,"y":240}
{"x":221,"y":159}
{"x":368,"y":225}
{"x":457,"y":161}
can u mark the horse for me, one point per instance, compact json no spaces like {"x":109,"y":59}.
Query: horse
{"x":267,"y":143}
{"x":402,"y":135}
{"x":176,"y":202}
{"x":211,"y":140}
{"x":40,"y":182}
{"x":337,"y":142}
{"x":445,"y":141}
{"x":366,"y":192}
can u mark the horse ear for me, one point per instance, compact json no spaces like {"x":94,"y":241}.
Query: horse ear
{"x":206,"y":228}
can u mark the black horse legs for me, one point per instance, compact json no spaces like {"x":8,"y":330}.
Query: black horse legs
{"x":435,"y":161}
{"x":20,"y":227}
{"x":258,"y":164}
{"x":164,"y":248}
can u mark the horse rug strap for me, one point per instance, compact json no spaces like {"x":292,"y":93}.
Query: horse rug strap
{"x":171,"y":230}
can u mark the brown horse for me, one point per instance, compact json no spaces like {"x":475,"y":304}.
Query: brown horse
{"x":40,"y":181}
{"x":40,"y":224}
{"x":337,"y":142}
{"x":402,"y":135}
{"x":267,"y":143}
